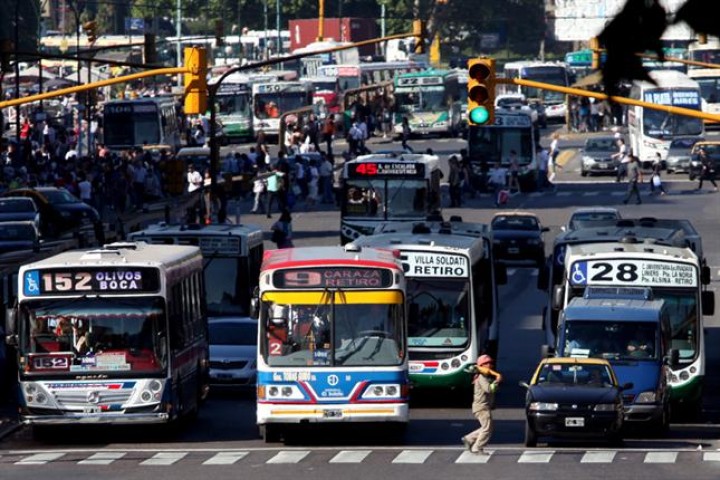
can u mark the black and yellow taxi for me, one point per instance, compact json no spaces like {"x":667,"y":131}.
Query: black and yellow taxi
{"x":574,"y":398}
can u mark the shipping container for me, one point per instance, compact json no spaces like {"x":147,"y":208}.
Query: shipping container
{"x":305,"y":31}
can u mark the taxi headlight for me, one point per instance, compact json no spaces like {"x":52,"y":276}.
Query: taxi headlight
{"x":646,"y":397}
{"x":605,"y":407}
{"x":543,"y":406}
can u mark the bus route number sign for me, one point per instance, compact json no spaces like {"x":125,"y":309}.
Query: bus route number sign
{"x":635,"y":272}
{"x":387,"y":169}
{"x":333,"y":277}
{"x":90,"y":280}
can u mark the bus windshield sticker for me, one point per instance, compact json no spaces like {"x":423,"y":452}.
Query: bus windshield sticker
{"x":333,"y":277}
{"x":59,"y":281}
{"x":427,"y":264}
{"x":648,"y":273}
{"x":390,"y":169}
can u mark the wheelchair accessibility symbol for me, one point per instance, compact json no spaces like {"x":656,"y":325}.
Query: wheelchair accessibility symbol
{"x":32,"y":283}
{"x":578,"y":276}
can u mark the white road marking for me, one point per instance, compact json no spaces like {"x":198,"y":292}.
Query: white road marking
{"x":469,"y":457}
{"x":412,"y":456}
{"x":565,"y":194}
{"x":164,"y":458}
{"x":289,"y":456}
{"x":531,"y":456}
{"x":102,"y":458}
{"x":618,"y":194}
{"x":39,"y":459}
{"x":590,"y":194}
{"x":598,"y":457}
{"x":711,"y":457}
{"x":350,"y":456}
{"x":660,"y":457}
{"x":536,"y":194}
{"x":225,"y":458}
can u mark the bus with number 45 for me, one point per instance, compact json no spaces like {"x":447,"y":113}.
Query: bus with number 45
{"x":115,"y":335}
{"x":332,"y":339}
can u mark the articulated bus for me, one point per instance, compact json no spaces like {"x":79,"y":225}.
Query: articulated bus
{"x":273,"y":98}
{"x":451,"y":296}
{"x":555,"y":73}
{"x":430,"y":101}
{"x":332,"y":339}
{"x":652,"y":131}
{"x":676,"y":275}
{"x":113,"y":335}
{"x":150,"y":123}
{"x":709,"y":81}
{"x":384,"y":187}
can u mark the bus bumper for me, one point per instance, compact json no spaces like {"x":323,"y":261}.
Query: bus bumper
{"x":96,"y":418}
{"x":457,"y":379}
{"x":355,"y":413}
{"x":638,"y":414}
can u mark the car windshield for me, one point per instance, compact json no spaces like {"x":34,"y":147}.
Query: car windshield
{"x":585,"y":374}
{"x":233,"y":333}
{"x":611,"y":340}
{"x":683,"y":143}
{"x":711,"y":149}
{"x":59,"y":197}
{"x":16,"y":205}
{"x":438,"y":312}
{"x":386,"y":199}
{"x":223,"y":287}
{"x":601,"y":145}
{"x":515,"y":223}
{"x":586,"y":218}
{"x":118,"y":334}
{"x":16,"y":232}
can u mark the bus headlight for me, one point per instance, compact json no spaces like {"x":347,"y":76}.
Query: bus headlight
{"x":377,"y":392}
{"x":684,"y":375}
{"x":646,"y":397}
{"x":31,"y":389}
{"x":284,"y":392}
{"x":455,"y":363}
{"x":155,"y":386}
{"x":41,"y":398}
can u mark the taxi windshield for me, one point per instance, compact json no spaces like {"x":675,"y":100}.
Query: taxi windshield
{"x":591,"y":375}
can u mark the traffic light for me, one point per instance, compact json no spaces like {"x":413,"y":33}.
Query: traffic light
{"x":481,"y":91}
{"x":419,"y":36}
{"x":90,"y":28}
{"x":595,"y":52}
{"x":150,"y":49}
{"x":219,"y":33}
{"x":195,"y":81}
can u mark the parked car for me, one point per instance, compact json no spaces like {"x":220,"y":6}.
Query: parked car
{"x":678,"y":156}
{"x":518,"y":236}
{"x":16,"y":236}
{"x":712,"y":148}
{"x":19,"y":209}
{"x":575,"y":398}
{"x":233,"y":350}
{"x":597,"y":156}
{"x":60,"y":211}
{"x":584,"y":217}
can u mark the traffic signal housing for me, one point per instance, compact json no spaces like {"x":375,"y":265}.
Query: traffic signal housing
{"x":219,"y":33}
{"x":419,"y":36}
{"x":595,"y":53}
{"x":90,"y":28}
{"x":481,"y":91}
{"x":195,"y":81}
{"x":150,"y":49}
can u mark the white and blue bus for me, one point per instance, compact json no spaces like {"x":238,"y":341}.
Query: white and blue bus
{"x":332,"y":339}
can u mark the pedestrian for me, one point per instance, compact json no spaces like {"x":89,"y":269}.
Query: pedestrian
{"x":274,"y":186}
{"x":406,"y":132}
{"x":707,"y":171}
{"x":194,"y":179}
{"x":326,"y":179}
{"x":621,"y":157}
{"x":554,"y":154}
{"x":634,"y":174}
{"x":656,"y":180}
{"x":485,"y":383}
{"x":514,"y":172}
{"x":329,"y":134}
{"x":455,"y":182}
{"x":259,"y":193}
{"x":543,"y":159}
{"x":497,"y":182}
{"x":282,"y":230}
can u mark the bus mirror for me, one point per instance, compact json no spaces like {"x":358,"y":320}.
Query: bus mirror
{"x":673,"y":357}
{"x":708,"y":302}
{"x":278,"y":322}
{"x":254,"y":307}
{"x":558,"y":296}
{"x":705,"y":275}
{"x":546,"y":351}
{"x":543,"y":279}
{"x":500,"y":274}
{"x":11,"y":326}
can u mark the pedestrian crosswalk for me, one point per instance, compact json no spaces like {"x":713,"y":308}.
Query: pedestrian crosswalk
{"x":391,"y":456}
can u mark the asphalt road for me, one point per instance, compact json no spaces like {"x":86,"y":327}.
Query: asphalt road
{"x":223,"y":442}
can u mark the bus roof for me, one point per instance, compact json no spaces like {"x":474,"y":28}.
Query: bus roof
{"x":188,"y":234}
{"x":121,"y":254}
{"x":453,"y":227}
{"x":426,"y":242}
{"x":348,"y":255}
{"x":667,"y":79}
{"x":648,"y":249}
{"x":432,"y":160}
{"x":704,"y":73}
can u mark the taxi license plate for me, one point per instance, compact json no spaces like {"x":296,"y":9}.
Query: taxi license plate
{"x":575,"y":422}
{"x":513,"y":250}
{"x":334,"y":413}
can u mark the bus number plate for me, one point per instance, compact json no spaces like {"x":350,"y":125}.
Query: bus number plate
{"x":334,"y":413}
{"x":91,"y":410}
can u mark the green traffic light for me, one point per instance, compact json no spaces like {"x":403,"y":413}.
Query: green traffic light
{"x":479,"y":115}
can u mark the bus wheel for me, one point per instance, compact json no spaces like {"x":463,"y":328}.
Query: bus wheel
{"x":270,"y":433}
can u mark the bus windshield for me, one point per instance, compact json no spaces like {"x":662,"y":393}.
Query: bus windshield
{"x":405,"y":198}
{"x":272,"y":105}
{"x":611,"y":340}
{"x":439,"y":312}
{"x":494,"y":144}
{"x":709,"y":89}
{"x":232,"y":104}
{"x":222,"y":287}
{"x":551,"y":75}
{"x":683,"y":312}
{"x":118,"y":334}
{"x":420,"y":101}
{"x":333,"y":334}
{"x":659,"y":124}
{"x":137,"y":128}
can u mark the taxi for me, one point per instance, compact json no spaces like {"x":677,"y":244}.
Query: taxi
{"x":574,"y":398}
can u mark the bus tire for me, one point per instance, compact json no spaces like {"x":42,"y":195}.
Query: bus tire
{"x":270,"y":433}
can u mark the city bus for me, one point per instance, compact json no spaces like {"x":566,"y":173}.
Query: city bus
{"x":386,"y":187}
{"x":709,"y":81}
{"x":232,"y":255}
{"x":652,"y":131}
{"x":148,"y":122}
{"x":708,"y":52}
{"x":332,"y":336}
{"x":555,"y":73}
{"x":451,"y":296}
{"x":270,"y":100}
{"x":115,"y":335}
{"x":430,"y":101}
{"x":676,"y":275}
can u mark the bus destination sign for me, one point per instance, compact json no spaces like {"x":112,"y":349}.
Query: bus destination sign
{"x":386,"y":169}
{"x":90,"y":280}
{"x":333,"y":277}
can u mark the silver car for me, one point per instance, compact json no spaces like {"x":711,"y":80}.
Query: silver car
{"x":597,"y":156}
{"x":678,"y":157}
{"x":233,"y":352}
